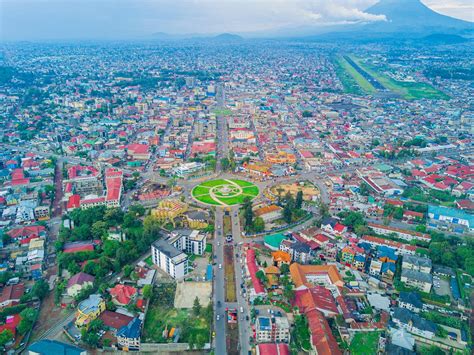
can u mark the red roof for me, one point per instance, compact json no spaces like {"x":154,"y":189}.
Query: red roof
{"x":339,"y":227}
{"x":27,"y":231}
{"x":74,"y":201}
{"x":123,"y":293}
{"x":321,"y":335}
{"x":12,"y":293}
{"x":317,"y":297}
{"x":11,"y":323}
{"x":273,"y":349}
{"x":114,"y":320}
{"x":75,"y":247}
{"x":252,"y":266}
{"x":113,"y":181}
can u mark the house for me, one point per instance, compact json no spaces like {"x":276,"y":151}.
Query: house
{"x":269,"y":213}
{"x":332,"y":225}
{"x":316,"y":297}
{"x":359,"y":262}
{"x":411,"y":301}
{"x":89,"y":309}
{"x":417,"y":279}
{"x":128,"y":337}
{"x":403,"y":339}
{"x":79,"y":282}
{"x":169,"y":259}
{"x":122,"y":294}
{"x":400,"y":233}
{"x":347,"y":255}
{"x":114,"y":320}
{"x":414,"y":323}
{"x":11,"y":295}
{"x":299,"y":252}
{"x":281,"y":257}
{"x":27,"y":232}
{"x":49,"y":347}
{"x":252,"y":268}
{"x":416,"y":263}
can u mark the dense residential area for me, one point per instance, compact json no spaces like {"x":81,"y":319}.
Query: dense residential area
{"x":242,"y":198}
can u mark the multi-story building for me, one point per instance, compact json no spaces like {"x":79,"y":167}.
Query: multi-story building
{"x":190,"y":241}
{"x":169,"y":259}
{"x":89,"y":309}
{"x":416,"y":263}
{"x":411,"y":301}
{"x":416,"y":279}
{"x":400,"y":233}
{"x":128,"y":337}
{"x":414,"y":323}
{"x":272,"y":329}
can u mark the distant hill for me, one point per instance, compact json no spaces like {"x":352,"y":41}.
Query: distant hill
{"x":404,"y":20}
{"x":227,"y":37}
{"x":223,"y":37}
{"x":444,"y":39}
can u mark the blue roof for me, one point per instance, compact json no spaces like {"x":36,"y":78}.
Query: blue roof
{"x":209,"y":272}
{"x":54,"y":347}
{"x":384,"y":251}
{"x":131,"y":330}
{"x":388,"y":266}
{"x":452,"y":212}
{"x":264,"y":323}
{"x":360,"y":258}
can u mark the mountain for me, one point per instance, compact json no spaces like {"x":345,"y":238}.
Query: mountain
{"x":404,"y":20}
{"x":413,"y":16}
{"x":227,"y":37}
{"x":220,"y":38}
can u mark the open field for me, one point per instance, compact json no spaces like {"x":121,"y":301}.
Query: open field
{"x":407,"y":90}
{"x":162,"y":315}
{"x":224,"y":192}
{"x":365,"y":343}
{"x":354,"y":82}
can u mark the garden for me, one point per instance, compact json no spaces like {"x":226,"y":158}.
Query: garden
{"x":365,"y":343}
{"x":162,"y":316}
{"x":224,"y":192}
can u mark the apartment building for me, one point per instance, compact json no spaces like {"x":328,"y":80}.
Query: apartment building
{"x":169,"y":259}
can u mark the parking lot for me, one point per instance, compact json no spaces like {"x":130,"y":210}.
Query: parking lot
{"x":441,"y":286}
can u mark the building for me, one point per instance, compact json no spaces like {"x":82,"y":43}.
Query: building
{"x":122,"y":294}
{"x":414,"y":323}
{"x":190,"y":241}
{"x":416,"y":263}
{"x":411,"y":301}
{"x":89,"y":309}
{"x":187,"y":169}
{"x":79,"y":282}
{"x":299,"y":252}
{"x":273,"y":349}
{"x":196,"y":219}
{"x":416,"y":279}
{"x":128,"y":337}
{"x":168,"y":210}
{"x":169,"y":259}
{"x":306,"y":276}
{"x":452,"y":219}
{"x":49,"y":347}
{"x":272,"y":329}
{"x":11,"y":295}
{"x":400,"y":233}
{"x":269,"y":213}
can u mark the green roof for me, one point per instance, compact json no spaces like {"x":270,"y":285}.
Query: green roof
{"x":274,"y":240}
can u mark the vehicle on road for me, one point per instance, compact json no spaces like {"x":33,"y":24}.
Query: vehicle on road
{"x":220,"y":266}
{"x":218,"y":317}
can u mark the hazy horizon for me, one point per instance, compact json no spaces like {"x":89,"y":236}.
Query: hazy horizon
{"x":127,"y":19}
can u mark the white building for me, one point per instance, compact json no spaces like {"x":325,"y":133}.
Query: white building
{"x":170,"y":259}
{"x":272,"y":329}
{"x":190,"y":241}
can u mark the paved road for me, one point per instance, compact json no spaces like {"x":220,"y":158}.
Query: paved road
{"x":219,"y":286}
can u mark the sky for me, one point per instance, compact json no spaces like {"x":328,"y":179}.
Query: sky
{"x":125,"y":19}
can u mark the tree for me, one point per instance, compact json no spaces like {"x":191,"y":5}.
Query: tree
{"x":287,"y":213}
{"x":40,"y":289}
{"x":99,"y":230}
{"x":6,"y":336}
{"x":151,"y":228}
{"x":28,"y":318}
{"x":196,"y":307}
{"x":323,"y":210}
{"x":225,"y":164}
{"x":364,"y":189}
{"x":284,"y":269}
{"x":147,"y":291}
{"x":258,"y":225}
{"x":127,"y":270}
{"x":299,"y":200}
{"x":261,"y":276}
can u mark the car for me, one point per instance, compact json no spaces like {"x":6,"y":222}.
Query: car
{"x":247,"y":318}
{"x":220,"y":266}
{"x":219,"y":303}
{"x":218,"y":317}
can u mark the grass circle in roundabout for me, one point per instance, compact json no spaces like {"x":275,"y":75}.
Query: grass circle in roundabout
{"x":224,"y":192}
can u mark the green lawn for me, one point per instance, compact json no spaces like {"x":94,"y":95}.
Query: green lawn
{"x":212,"y":183}
{"x":348,"y":82}
{"x":407,"y":90}
{"x":200,"y":190}
{"x":148,"y":261}
{"x":222,"y":112}
{"x":251,"y":190}
{"x":358,"y":78}
{"x":365,"y":343}
{"x":207,"y":199}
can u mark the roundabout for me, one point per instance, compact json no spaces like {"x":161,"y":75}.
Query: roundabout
{"x":224,"y":192}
